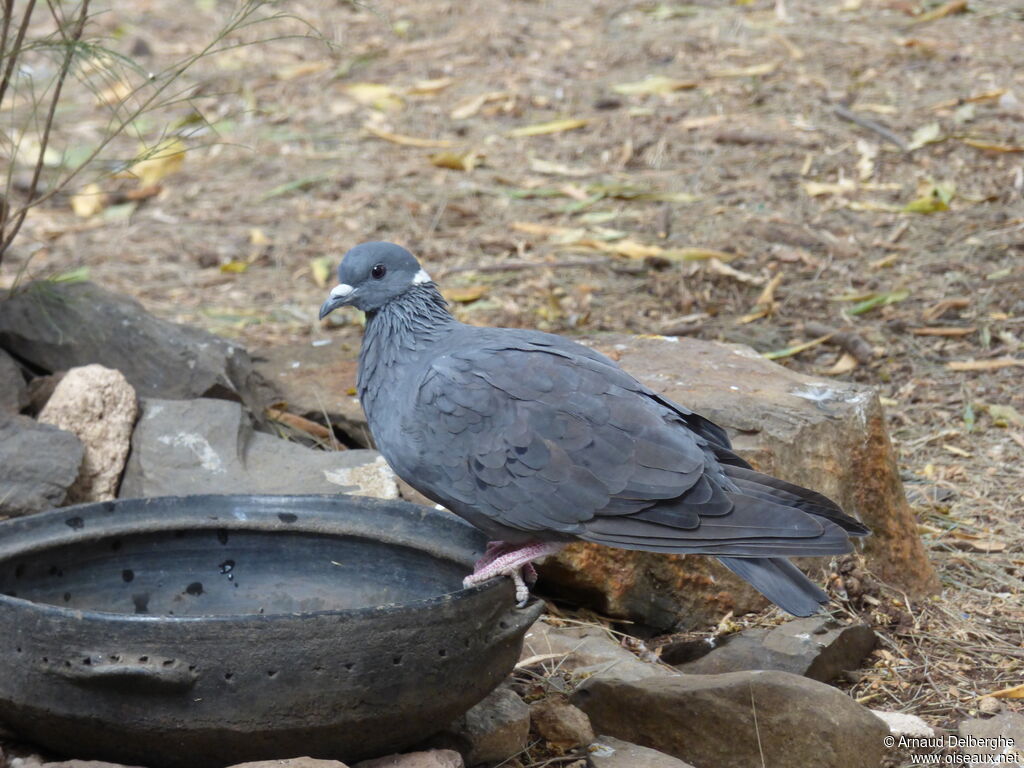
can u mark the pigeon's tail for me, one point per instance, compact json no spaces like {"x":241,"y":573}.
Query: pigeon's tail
{"x":771,"y":489}
{"x":780,"y":581}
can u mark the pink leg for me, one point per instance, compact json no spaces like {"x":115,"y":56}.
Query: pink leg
{"x":503,"y":559}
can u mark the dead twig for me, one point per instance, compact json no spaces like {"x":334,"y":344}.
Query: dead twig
{"x":846,"y":114}
{"x":848,"y":341}
{"x":517,"y":265}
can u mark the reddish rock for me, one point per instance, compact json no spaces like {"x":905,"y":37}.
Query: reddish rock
{"x":560,"y":724}
{"x":823,"y":434}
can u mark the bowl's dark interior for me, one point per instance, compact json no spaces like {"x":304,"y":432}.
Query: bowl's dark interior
{"x":221,"y":572}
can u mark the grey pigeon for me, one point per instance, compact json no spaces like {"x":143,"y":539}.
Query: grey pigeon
{"x":540,"y":441}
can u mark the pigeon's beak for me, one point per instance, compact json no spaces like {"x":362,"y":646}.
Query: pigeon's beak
{"x":341,"y":295}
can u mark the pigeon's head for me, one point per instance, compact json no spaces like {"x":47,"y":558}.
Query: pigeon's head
{"x":371,"y":275}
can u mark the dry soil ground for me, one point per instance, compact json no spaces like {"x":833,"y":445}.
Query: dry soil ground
{"x":735,"y":171}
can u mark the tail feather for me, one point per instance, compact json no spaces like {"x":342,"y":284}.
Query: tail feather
{"x":780,"y":581}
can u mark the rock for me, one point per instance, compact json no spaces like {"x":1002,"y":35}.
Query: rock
{"x":493,"y":730}
{"x":989,"y":705}
{"x":903,"y":724}
{"x":13,"y":394}
{"x":38,"y":463}
{"x":292,"y":762}
{"x":434,"y":758}
{"x":56,"y":326}
{"x":318,"y":380}
{"x":826,"y":435}
{"x":1002,"y":735}
{"x":209,"y":446}
{"x":815,"y":647}
{"x":561,"y":724}
{"x":730,"y":720}
{"x":588,"y":652}
{"x":608,"y":752}
{"x":99,"y":406}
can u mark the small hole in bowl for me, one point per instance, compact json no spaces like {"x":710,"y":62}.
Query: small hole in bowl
{"x":503,"y":624}
{"x":87,"y":661}
{"x":271,"y":673}
{"x":229,"y":676}
{"x":396,"y":660}
{"x":18,"y":649}
{"x":143,"y":659}
{"x":168,"y":662}
{"x":67,"y":597}
{"x":442,"y":652}
{"x":349,"y":666}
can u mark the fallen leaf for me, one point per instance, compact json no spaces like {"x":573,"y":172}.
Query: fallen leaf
{"x":302,"y":70}
{"x":550,"y":168}
{"x":944,"y":331}
{"x":946,"y":9}
{"x":1005,"y":415}
{"x":985,"y":365}
{"x":234,"y":267}
{"x":321,"y":268}
{"x":765,"y":304}
{"x":878,"y":300}
{"x":472,"y":105}
{"x":456,"y":161}
{"x":466,"y":295}
{"x":778,"y":354}
{"x":844,"y":364}
{"x":305,"y":182}
{"x":532,"y":228}
{"x":819,"y":188}
{"x":89,"y":201}
{"x":553,"y":126}
{"x":258,"y":237}
{"x":752,"y":71}
{"x":376,"y":95}
{"x":158,"y":161}
{"x":696,"y":254}
{"x":957,"y":451}
{"x":926,"y":134}
{"x":407,"y":141}
{"x":692,"y":123}
{"x":988,"y":146}
{"x":656,"y":84}
{"x":428,"y":87}
{"x":719,"y":268}
{"x":868,"y":157}
{"x":935,"y":197}
{"x":1016,"y":692}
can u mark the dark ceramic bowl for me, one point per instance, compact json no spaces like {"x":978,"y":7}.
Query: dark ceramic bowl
{"x":208,"y":630}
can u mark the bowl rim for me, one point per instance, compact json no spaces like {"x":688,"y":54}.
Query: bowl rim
{"x":41,"y":519}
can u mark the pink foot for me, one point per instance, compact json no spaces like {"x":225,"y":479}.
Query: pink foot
{"x":513,"y":560}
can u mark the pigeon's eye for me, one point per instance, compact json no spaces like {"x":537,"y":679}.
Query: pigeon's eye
{"x":378,"y":271}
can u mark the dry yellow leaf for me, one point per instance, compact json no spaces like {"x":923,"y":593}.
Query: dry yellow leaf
{"x":989,"y":146}
{"x":818,"y":188}
{"x":985,"y":365}
{"x":235,"y":267}
{"x":428,"y":87}
{"x":90,"y":201}
{"x":658,"y":84}
{"x":719,"y":268}
{"x":258,"y":237}
{"x":752,"y":71}
{"x":466,"y":295}
{"x":554,"y":126}
{"x":531,"y":228}
{"x":844,"y":364}
{"x":376,"y":95}
{"x":472,"y":105}
{"x":296,"y":71}
{"x":946,"y":9}
{"x":456,"y":161}
{"x":407,"y":141}
{"x":160,"y":161}
{"x":703,"y":121}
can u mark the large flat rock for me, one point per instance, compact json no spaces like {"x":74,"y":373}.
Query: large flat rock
{"x":826,"y":435}
{"x":208,"y":446}
{"x":738,"y":720}
{"x":56,"y":326}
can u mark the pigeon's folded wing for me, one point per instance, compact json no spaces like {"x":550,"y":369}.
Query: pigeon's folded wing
{"x":540,"y":441}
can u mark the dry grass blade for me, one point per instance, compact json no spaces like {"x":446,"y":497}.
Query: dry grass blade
{"x":407,"y":141}
{"x":985,"y":365}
